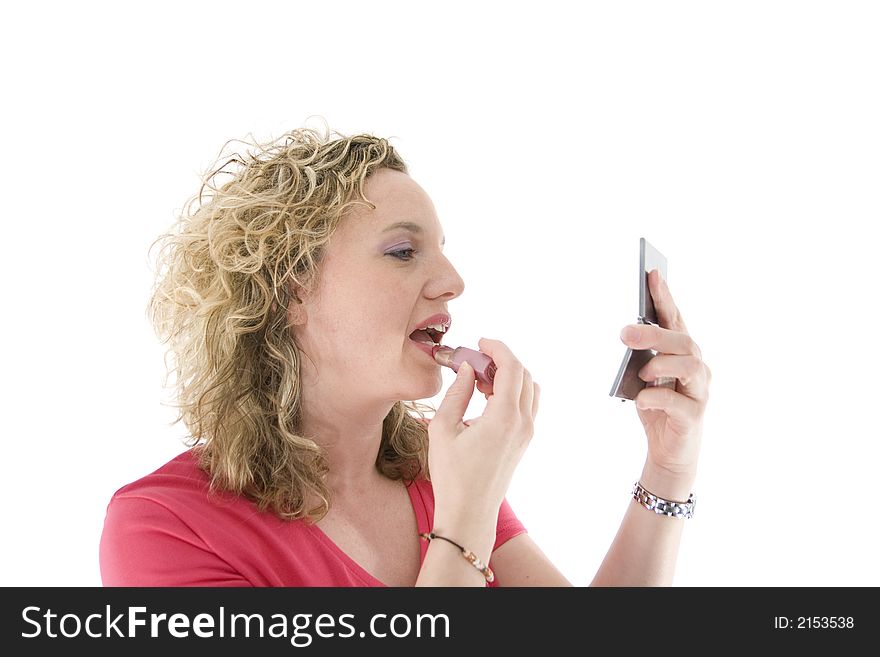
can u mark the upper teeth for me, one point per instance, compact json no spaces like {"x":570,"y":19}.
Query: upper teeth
{"x":436,"y":327}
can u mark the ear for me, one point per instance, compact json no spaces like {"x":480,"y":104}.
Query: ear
{"x":295,"y":310}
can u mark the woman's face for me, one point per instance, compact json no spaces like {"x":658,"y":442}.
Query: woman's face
{"x":378,"y":282}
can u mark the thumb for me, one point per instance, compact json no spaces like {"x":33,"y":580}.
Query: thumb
{"x":455,"y":403}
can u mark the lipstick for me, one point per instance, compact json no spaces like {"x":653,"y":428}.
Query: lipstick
{"x":484,"y":366}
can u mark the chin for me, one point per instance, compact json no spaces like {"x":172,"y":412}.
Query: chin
{"x":424,"y":391}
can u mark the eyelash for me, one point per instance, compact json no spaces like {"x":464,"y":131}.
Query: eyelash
{"x":407,"y":259}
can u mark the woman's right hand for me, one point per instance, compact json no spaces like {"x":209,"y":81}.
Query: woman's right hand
{"x":472,"y":461}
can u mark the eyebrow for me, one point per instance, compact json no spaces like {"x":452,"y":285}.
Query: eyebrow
{"x":410,"y":226}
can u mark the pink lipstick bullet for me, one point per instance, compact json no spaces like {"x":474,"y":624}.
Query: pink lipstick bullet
{"x":484,"y":366}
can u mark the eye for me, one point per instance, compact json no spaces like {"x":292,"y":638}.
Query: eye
{"x":397,"y":254}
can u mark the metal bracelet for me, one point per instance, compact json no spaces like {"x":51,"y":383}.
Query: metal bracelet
{"x":664,"y":507}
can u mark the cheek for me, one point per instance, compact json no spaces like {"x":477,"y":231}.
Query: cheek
{"x":367,"y":310}
{"x":390,"y":324}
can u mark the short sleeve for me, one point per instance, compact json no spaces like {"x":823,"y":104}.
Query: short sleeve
{"x":146,"y":544}
{"x":508,"y":525}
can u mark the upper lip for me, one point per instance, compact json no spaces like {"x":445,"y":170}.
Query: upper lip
{"x":439,"y":318}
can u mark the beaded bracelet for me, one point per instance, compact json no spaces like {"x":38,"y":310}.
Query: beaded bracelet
{"x":467,"y":554}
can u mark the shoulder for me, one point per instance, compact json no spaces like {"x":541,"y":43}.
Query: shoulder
{"x":178,"y":491}
{"x":165,"y":529}
{"x":179,"y":476}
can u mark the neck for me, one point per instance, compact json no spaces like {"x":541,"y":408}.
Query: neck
{"x":350,"y":443}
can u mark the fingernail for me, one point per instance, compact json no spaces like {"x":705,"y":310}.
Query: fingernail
{"x":629,"y":333}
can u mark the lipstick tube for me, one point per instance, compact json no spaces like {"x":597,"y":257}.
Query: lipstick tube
{"x":484,"y":366}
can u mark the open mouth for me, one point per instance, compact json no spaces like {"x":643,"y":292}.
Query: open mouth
{"x":430,"y":336}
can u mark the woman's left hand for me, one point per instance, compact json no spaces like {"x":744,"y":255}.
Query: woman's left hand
{"x":673,"y":418}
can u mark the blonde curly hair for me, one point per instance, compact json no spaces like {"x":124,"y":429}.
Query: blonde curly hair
{"x":226,"y":275}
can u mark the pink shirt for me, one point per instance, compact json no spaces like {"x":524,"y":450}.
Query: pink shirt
{"x":164,"y":530}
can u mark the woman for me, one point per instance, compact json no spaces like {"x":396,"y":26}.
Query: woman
{"x":288,"y":298}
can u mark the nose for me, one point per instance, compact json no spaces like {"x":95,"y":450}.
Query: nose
{"x":448,"y":280}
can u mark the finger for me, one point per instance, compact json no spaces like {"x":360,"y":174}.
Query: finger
{"x":678,"y":407}
{"x":507,"y":384}
{"x":536,"y":401}
{"x":667,"y":341}
{"x":528,"y":394}
{"x":667,"y":312}
{"x":485,"y":388}
{"x":458,"y":396}
{"x":691,"y":372}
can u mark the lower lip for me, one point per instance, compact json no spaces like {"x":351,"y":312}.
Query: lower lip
{"x":428,"y":349}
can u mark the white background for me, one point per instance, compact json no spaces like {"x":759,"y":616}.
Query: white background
{"x":741,"y":139}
